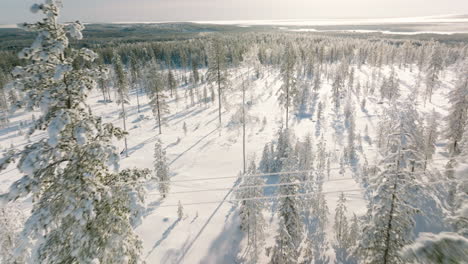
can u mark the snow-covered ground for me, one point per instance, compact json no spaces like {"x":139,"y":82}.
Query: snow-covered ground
{"x":205,"y":163}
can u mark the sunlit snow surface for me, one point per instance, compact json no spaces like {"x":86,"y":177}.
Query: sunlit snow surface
{"x":209,"y":233}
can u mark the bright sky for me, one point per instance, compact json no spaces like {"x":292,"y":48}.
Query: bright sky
{"x":16,"y":11}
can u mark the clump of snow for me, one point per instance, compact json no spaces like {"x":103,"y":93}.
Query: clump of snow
{"x":446,"y":247}
{"x":60,"y":70}
{"x":56,"y":126}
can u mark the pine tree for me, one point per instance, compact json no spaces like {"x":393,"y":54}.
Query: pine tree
{"x":11,"y":221}
{"x":195,"y":73}
{"x":103,"y":82}
{"x":391,"y":213}
{"x":341,"y":222}
{"x":4,"y":104}
{"x":157,"y":97}
{"x":351,"y":80}
{"x":82,"y":211}
{"x":285,"y":249}
{"x":290,"y":232}
{"x":458,"y":111}
{"x":265,"y":165}
{"x":343,"y":233}
{"x":288,"y":89}
{"x":171,"y":83}
{"x":430,"y":136}
{"x":319,"y":122}
{"x":161,"y":169}
{"x":135,"y":77}
{"x":354,"y":232}
{"x":180,"y":211}
{"x":122,"y":91}
{"x":305,"y":155}
{"x":390,"y":86}
{"x":337,"y":89}
{"x":393,"y":91}
{"x":351,"y":150}
{"x":316,"y":240}
{"x":251,"y":212}
{"x":217,"y":70}
{"x":434,"y":67}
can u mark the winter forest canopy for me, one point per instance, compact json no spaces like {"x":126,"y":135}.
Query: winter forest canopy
{"x":192,"y":143}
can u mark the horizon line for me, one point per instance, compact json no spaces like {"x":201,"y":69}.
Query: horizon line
{"x":454,"y":17}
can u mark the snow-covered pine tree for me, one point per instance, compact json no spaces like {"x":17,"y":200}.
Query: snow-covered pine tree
{"x":305,"y":156}
{"x":11,"y":222}
{"x":82,"y":211}
{"x":350,"y":85}
{"x":121,"y":85}
{"x":434,"y":66}
{"x":251,"y":212}
{"x":161,"y":169}
{"x":319,"y":123}
{"x":458,"y":111}
{"x":393,"y":91}
{"x":358,"y":89}
{"x":217,"y":70}
{"x":157,"y":97}
{"x":265,"y":165}
{"x":354,"y":232}
{"x":195,"y":73}
{"x":283,"y":145}
{"x":135,"y":75}
{"x":4,"y":104}
{"x":391,"y":213}
{"x":342,"y":233}
{"x":103,"y":82}
{"x":390,"y":86}
{"x":341,"y":226}
{"x":290,"y":232}
{"x":430,"y":136}
{"x":285,"y":248}
{"x":180,"y":211}
{"x":171,"y":83}
{"x":337,"y":90}
{"x":288,"y":89}
{"x":351,"y":148}
{"x":316,"y":244}
{"x":317,"y":79}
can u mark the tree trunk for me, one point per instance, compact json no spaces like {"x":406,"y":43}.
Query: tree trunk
{"x":287,"y":103}
{"x":159,"y":113}
{"x":219,"y":92}
{"x":243,"y":125}
{"x":389,"y":226}
{"x":138,"y":98}
{"x":104,"y":95}
{"x":124,"y":117}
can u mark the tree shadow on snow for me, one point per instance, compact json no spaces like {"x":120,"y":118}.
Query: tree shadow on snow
{"x":226,"y":247}
{"x":343,"y":256}
{"x":187,"y":249}
{"x":172,"y":255}
{"x":152,"y":206}
{"x":191,"y":147}
{"x":164,"y":236}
